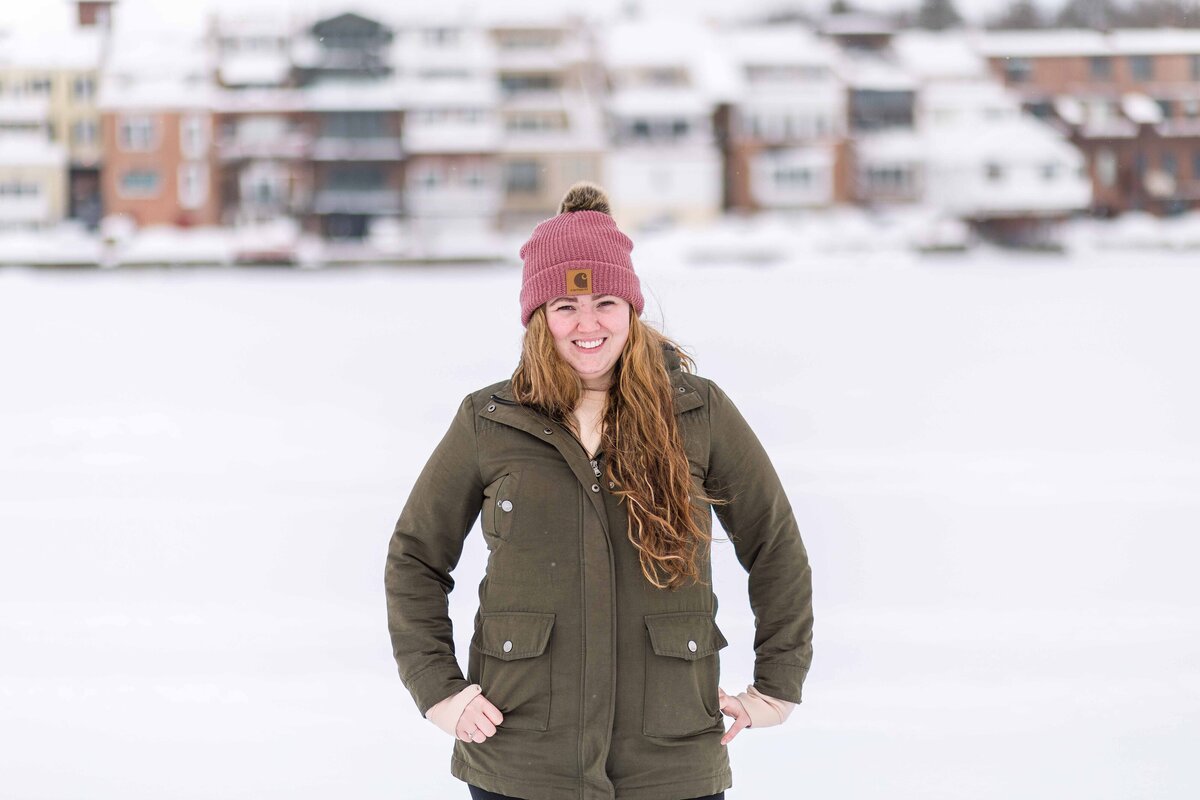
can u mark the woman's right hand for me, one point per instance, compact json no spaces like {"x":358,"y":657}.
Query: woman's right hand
{"x":478,"y":721}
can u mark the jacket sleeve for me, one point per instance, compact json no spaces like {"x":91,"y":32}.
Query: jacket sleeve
{"x":425,"y":547}
{"x":762,"y":527}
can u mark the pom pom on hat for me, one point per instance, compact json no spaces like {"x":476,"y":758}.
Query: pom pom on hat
{"x":580,"y":251}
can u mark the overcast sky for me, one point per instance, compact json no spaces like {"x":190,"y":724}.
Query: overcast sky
{"x":39,"y":14}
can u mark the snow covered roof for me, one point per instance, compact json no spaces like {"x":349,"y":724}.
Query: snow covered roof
{"x":66,"y":49}
{"x":1126,"y":41}
{"x":650,"y":102}
{"x":1141,"y":109}
{"x":786,"y":45}
{"x":1151,"y":41}
{"x":258,"y":69}
{"x":1042,"y":43}
{"x":156,"y":93}
{"x":656,"y":42}
{"x":976,"y":94}
{"x":866,"y":71}
{"x":1014,"y":139}
{"x":938,"y":55}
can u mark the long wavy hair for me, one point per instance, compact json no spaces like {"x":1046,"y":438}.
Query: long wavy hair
{"x":646,"y":458}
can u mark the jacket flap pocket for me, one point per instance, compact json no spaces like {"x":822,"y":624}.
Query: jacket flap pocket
{"x":510,"y":635}
{"x":685,"y":634}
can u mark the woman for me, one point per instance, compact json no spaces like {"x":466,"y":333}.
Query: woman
{"x":593,"y":668}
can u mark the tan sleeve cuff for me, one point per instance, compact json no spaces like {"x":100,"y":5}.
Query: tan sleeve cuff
{"x":764,"y":711}
{"x":446,"y":713}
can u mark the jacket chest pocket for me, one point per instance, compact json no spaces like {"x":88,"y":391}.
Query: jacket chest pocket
{"x":499,"y":507}
{"x":683,"y":668}
{"x":514,"y":666}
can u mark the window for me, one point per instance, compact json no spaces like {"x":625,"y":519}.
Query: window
{"x":793,"y":177}
{"x":1049,"y":172}
{"x":1106,"y":167}
{"x":440,"y":37}
{"x":356,"y":125}
{"x":1017,"y":70}
{"x":1139,"y":166}
{"x":16,"y":190}
{"x":679,"y":128}
{"x":522,"y":176}
{"x":39,"y":85}
{"x":429,"y":178}
{"x":193,"y":136}
{"x":193,"y":185}
{"x":139,"y":183}
{"x":83,"y":133}
{"x":1170,"y":164}
{"x":1167,"y":108}
{"x":1195,"y":60}
{"x":137,"y":133}
{"x":641,"y":129}
{"x":473,"y":177}
{"x":83,"y":89}
{"x":1100,"y":68}
{"x":889,"y":178}
{"x":1196,"y":165}
{"x":995,"y":172}
{"x":1141,"y":67}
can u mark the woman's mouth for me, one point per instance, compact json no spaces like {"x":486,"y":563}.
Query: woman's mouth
{"x":589,"y":344}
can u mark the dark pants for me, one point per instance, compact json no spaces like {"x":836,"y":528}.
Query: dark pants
{"x":480,"y":794}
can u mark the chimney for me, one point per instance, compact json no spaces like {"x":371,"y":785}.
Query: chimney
{"x":94,"y":13}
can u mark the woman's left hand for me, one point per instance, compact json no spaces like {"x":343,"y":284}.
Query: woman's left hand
{"x":732,"y":707}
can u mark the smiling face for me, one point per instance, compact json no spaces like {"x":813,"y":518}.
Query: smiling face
{"x":589,"y":331}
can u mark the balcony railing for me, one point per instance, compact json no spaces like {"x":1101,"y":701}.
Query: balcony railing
{"x":288,"y":146}
{"x":357,"y":201}
{"x":366,"y":148}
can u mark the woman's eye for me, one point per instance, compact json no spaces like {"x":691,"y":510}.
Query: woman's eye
{"x":565,"y":308}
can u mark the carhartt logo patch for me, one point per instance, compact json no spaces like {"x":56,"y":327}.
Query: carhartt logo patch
{"x":579,"y":281}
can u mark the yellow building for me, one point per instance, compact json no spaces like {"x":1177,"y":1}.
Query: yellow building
{"x":61,"y":70}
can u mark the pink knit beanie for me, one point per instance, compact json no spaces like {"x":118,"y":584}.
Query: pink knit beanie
{"x":580,"y":251}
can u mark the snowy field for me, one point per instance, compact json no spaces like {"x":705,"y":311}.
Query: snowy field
{"x":995,"y":461}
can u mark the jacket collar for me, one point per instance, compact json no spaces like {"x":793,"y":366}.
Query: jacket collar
{"x":686,"y":396}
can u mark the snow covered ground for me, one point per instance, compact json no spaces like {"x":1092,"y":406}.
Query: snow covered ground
{"x":995,"y":461}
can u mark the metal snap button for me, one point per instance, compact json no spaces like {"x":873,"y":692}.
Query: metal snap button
{"x":508,"y":647}
{"x":612,"y":485}
{"x":595,"y":487}
{"x":492,"y":407}
{"x":547,"y":431}
{"x":682,"y":389}
{"x":506,"y":505}
{"x":692,"y":645}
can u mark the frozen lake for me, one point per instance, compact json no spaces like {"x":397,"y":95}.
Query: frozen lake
{"x":995,"y":461}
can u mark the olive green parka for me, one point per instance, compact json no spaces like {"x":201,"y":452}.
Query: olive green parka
{"x":607,"y":684}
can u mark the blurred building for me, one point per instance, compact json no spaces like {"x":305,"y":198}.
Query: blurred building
{"x":784,"y":133}
{"x":350,"y":98}
{"x":984,"y":159}
{"x":264,"y":133}
{"x":551,"y":106}
{"x":452,"y":124}
{"x":60,"y":71}
{"x":33,"y":168}
{"x":666,"y":77}
{"x":1130,"y":99}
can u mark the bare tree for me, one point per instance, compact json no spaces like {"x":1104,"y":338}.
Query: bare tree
{"x":1099,"y":15}
{"x":1020,"y":15}
{"x":938,"y":15}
